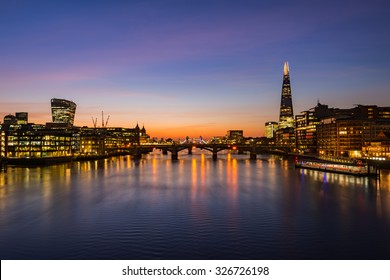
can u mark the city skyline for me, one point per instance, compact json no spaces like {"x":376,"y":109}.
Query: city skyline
{"x":190,"y":67}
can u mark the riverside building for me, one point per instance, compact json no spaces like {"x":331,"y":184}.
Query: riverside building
{"x":347,"y":131}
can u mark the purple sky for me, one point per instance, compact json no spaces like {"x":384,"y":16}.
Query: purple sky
{"x":191,"y":67}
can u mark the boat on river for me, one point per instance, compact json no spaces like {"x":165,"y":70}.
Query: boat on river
{"x":349,"y":169}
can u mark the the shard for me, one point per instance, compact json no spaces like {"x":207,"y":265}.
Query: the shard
{"x":286,"y":118}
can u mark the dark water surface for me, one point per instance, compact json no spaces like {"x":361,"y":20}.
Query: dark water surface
{"x":193,"y":208}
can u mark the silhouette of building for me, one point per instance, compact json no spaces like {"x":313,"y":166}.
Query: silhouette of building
{"x":21,"y":117}
{"x":235,"y":136}
{"x":143,"y":137}
{"x":63,"y":112}
{"x":18,"y":118}
{"x":9,"y":119}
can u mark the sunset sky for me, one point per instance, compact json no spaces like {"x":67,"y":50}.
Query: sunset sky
{"x":191,"y":67}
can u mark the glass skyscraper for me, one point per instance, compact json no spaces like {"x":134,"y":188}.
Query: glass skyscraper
{"x":63,"y":111}
{"x":286,"y":118}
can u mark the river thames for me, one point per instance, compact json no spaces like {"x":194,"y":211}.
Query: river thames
{"x":192,"y":208}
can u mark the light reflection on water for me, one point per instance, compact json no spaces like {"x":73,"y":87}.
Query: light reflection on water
{"x":193,"y":208}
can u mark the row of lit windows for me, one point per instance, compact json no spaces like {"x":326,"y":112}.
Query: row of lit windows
{"x":38,"y":143}
{"x":45,"y":137}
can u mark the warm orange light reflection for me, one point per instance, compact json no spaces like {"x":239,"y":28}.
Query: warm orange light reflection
{"x":194,"y":178}
{"x":154,"y":171}
{"x":202,"y":170}
{"x":232,"y":174}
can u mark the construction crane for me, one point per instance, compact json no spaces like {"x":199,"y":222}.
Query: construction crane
{"x":105,"y":124}
{"x":94,"y":121}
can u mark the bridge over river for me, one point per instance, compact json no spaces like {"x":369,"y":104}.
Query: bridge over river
{"x":174,"y":148}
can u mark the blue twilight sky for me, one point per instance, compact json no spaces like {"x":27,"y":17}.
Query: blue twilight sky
{"x":191,"y":67}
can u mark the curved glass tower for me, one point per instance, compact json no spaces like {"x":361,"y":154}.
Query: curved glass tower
{"x":63,"y":111}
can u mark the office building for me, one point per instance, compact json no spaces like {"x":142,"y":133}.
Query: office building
{"x":26,"y":142}
{"x":21,"y":117}
{"x":235,"y":136}
{"x":270,"y":129}
{"x":346,"y":131}
{"x":63,"y":112}
{"x":306,"y":127}
{"x":9,"y":119}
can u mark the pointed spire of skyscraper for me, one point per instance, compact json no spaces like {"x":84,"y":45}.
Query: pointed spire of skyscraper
{"x":286,"y":69}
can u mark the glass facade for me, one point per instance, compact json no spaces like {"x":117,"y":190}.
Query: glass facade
{"x":286,"y":118}
{"x":306,"y":132}
{"x":24,"y":143}
{"x":63,"y":111}
{"x":270,"y":128}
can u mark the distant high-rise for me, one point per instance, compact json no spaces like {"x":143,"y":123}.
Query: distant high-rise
{"x":286,"y":118}
{"x":63,"y":111}
{"x":21,"y":117}
{"x":270,"y":128}
{"x":9,"y":119}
